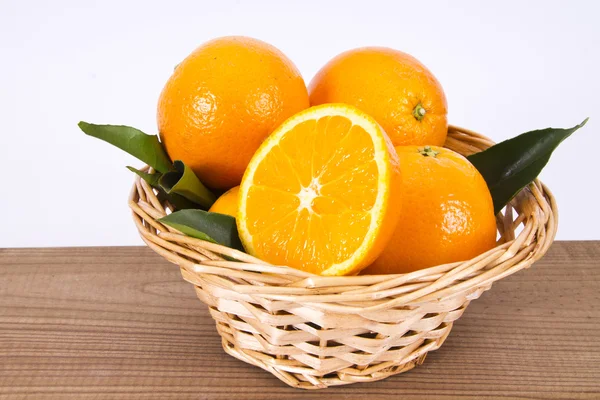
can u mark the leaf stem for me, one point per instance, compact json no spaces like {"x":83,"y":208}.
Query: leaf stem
{"x":419,"y":112}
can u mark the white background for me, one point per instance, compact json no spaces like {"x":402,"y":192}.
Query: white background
{"x":506,"y":67}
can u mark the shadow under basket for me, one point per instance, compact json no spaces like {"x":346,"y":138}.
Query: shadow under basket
{"x":314,"y":332}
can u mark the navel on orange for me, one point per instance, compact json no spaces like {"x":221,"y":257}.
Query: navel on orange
{"x":393,"y":87}
{"x":222,"y":101}
{"x":447,"y":212}
{"x":322,"y":193}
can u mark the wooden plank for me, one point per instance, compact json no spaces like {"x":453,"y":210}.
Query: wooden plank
{"x":120,"y":323}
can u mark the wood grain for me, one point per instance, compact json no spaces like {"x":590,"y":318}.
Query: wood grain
{"x":120,"y":323}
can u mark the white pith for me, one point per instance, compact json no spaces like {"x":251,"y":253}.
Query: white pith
{"x":308,"y":194}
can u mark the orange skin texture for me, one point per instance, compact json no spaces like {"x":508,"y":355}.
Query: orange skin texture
{"x":227,"y":203}
{"x":447,"y":213}
{"x":222,"y":101}
{"x":386,"y":84}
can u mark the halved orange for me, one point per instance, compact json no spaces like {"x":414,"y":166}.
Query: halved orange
{"x":322,"y":192}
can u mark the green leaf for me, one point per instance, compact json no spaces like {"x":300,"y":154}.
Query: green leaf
{"x":509,"y":166}
{"x":184,"y":182}
{"x":144,"y":147}
{"x":151,"y":179}
{"x":180,"y":202}
{"x":213,"y":227}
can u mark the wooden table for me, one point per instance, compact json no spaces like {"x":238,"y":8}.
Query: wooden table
{"x":120,"y":322}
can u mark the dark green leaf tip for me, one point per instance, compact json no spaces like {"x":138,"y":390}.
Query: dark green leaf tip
{"x":509,"y":166}
{"x":146,"y":148}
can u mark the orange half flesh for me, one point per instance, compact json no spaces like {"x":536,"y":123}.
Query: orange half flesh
{"x":322,"y":192}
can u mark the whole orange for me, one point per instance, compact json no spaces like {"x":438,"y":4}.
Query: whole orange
{"x":447,"y":212}
{"x":222,"y":101}
{"x":393,"y":87}
{"x":227,"y":203}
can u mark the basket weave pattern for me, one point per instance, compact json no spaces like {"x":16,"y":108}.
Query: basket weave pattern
{"x":314,"y":332}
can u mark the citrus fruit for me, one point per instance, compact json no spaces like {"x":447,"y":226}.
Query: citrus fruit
{"x":447,"y":212}
{"x":321,"y":194}
{"x":227,"y":203}
{"x":393,"y":87}
{"x":222,"y":101}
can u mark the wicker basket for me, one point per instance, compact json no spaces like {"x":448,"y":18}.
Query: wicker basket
{"x":313,"y":332}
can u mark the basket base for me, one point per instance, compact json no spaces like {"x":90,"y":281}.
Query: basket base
{"x":295,"y":377}
{"x":308,"y":357}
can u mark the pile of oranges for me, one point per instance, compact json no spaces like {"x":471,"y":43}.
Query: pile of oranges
{"x":346,"y":176}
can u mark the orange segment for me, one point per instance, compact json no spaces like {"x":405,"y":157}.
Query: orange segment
{"x":277,"y":204}
{"x":321,"y":194}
